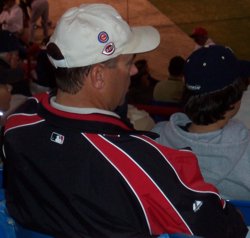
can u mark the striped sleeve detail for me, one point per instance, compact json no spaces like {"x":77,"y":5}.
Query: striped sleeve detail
{"x":20,"y":120}
{"x":159,"y":213}
{"x":186,"y":168}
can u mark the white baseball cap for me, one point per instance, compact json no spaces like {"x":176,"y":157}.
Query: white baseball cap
{"x":94,"y":33}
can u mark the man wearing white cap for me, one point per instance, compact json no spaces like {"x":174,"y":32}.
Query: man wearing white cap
{"x":75,"y":169}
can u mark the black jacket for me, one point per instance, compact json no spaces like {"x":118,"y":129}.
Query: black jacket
{"x":90,"y":175}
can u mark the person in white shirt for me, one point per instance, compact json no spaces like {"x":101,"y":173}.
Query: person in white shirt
{"x":11,"y":18}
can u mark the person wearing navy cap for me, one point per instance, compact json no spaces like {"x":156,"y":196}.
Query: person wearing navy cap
{"x":215,"y":81}
{"x":75,"y":169}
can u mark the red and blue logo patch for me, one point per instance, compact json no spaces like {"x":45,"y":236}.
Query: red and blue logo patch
{"x":103,"y":37}
{"x":109,"y":49}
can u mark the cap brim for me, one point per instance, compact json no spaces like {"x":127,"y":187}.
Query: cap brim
{"x":144,"y":39}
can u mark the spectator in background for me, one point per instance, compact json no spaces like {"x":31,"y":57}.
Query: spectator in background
{"x":214,"y":87}
{"x":134,"y":117}
{"x":170,"y":90}
{"x":11,"y":70}
{"x":39,"y":9}
{"x":142,"y":84}
{"x":11,"y":18}
{"x":201,"y":38}
{"x":25,"y":5}
{"x":43,"y":74}
{"x":5,"y":99}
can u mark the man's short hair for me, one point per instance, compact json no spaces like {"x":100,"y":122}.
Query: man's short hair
{"x":71,"y":80}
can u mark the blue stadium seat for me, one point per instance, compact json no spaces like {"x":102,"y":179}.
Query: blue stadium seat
{"x":9,"y":228}
{"x":7,"y":224}
{"x":177,"y":236}
{"x":1,"y":175}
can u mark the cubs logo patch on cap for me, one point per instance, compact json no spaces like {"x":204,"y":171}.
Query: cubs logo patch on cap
{"x":103,"y":37}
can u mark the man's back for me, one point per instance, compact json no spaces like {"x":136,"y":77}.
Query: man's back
{"x":78,"y":177}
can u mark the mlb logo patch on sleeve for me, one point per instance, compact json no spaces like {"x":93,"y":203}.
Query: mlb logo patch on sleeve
{"x":57,"y":138}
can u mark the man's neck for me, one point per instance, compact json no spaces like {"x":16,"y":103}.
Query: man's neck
{"x":79,"y":110}
{"x":74,"y":100}
{"x":82,"y":99}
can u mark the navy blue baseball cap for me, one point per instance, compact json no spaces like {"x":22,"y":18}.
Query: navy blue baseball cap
{"x":8,"y":42}
{"x":212,"y":68}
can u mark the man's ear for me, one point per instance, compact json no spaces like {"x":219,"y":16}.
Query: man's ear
{"x":97,"y":76}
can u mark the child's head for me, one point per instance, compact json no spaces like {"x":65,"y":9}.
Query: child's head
{"x":214,"y":84}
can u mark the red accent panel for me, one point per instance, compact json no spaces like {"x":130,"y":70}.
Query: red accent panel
{"x":161,"y":216}
{"x":17,"y":120}
{"x":186,"y":166}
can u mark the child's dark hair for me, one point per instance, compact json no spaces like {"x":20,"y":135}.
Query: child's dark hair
{"x":208,"y":108}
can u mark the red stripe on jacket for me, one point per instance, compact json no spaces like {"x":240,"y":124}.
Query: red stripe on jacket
{"x":159,"y":212}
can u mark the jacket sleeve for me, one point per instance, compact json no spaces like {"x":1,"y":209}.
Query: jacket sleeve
{"x":210,"y":216}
